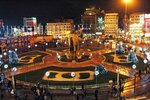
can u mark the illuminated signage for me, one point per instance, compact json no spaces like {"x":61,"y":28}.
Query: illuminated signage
{"x":147,"y":24}
{"x":147,"y":15}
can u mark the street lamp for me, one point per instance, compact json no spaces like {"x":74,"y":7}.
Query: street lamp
{"x":134,"y":67}
{"x":14,"y":69}
{"x":118,"y":81}
{"x":5,"y":66}
{"x":46,"y":44}
{"x":96,"y":73}
{"x":118,"y":76}
{"x":125,"y":16}
{"x":5,"y":53}
{"x":1,"y":56}
{"x":29,"y":46}
{"x":16,"y":49}
{"x":47,"y":74}
{"x":145,"y":67}
{"x":73,"y":74}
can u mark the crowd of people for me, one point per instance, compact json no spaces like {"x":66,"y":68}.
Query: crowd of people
{"x":39,"y":92}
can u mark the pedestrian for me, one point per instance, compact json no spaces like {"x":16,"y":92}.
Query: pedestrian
{"x":25,"y":97}
{"x":82,"y":86}
{"x":140,"y":73}
{"x":114,"y":90}
{"x":77,"y":97}
{"x":84,"y":95}
{"x":51,"y":97}
{"x":71,"y":91}
{"x":2,"y":96}
{"x":9,"y":85}
{"x":96,"y":94}
{"x":120,"y":83}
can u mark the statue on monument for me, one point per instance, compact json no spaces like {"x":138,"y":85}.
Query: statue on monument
{"x":73,"y":46}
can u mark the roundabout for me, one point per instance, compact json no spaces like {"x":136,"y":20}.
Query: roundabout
{"x":60,"y":72}
{"x":34,"y":66}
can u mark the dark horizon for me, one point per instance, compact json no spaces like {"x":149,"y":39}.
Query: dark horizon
{"x":13,"y":11}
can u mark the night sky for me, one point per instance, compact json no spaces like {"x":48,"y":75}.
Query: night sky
{"x":13,"y":11}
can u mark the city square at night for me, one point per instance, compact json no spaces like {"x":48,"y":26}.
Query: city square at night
{"x":75,"y":50}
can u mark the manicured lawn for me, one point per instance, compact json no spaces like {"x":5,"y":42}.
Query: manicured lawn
{"x":83,"y":58}
{"x":36,"y":76}
{"x":109,"y":59}
{"x":27,"y":58}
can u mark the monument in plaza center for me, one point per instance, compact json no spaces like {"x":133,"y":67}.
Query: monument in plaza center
{"x":73,"y":52}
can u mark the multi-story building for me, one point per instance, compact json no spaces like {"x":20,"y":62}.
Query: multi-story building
{"x":59,"y":29}
{"x":139,"y":27}
{"x":40,"y":30}
{"x":146,"y":28}
{"x":111,"y":23}
{"x":92,"y":21}
{"x":1,"y":28}
{"x":30,"y":26}
{"x":136,"y":22}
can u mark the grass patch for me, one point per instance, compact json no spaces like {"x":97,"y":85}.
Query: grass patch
{"x":28,"y":57}
{"x":36,"y":76}
{"x":109,"y":59}
{"x":83,"y":58}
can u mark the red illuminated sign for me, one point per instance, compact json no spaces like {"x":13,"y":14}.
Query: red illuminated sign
{"x":30,"y":24}
{"x":1,"y":22}
{"x":147,"y":24}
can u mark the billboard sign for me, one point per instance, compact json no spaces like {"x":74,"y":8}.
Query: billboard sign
{"x":147,"y":24}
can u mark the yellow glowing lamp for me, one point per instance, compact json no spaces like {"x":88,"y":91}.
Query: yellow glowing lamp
{"x":127,"y":1}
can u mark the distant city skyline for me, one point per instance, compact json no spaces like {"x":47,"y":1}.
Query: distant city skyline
{"x":13,"y":11}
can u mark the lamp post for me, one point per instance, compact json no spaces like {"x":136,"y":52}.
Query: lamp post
{"x":73,"y":74}
{"x":14,"y":69}
{"x":96,"y":73}
{"x":118,"y":79}
{"x":47,"y":74}
{"x":134,"y":67}
{"x":125,"y":16}
{"x":35,"y":46}
{"x":145,"y":67}
{"x":147,"y":60}
{"x":118,"y":76}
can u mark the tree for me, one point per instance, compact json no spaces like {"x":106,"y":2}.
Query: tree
{"x":132,"y":57}
{"x":120,"y":49}
{"x":13,"y":57}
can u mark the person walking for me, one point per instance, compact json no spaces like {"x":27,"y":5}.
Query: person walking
{"x":140,"y":74}
{"x":96,"y":94}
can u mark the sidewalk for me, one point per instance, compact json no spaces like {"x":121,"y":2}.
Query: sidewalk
{"x":141,"y":87}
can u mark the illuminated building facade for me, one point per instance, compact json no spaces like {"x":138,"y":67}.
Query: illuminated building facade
{"x":40,"y":30}
{"x":139,"y":27}
{"x":30,"y":26}
{"x":146,"y":29}
{"x":93,"y":21}
{"x":136,"y":26}
{"x":1,"y":28}
{"x":59,"y":29}
{"x":111,"y":23}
